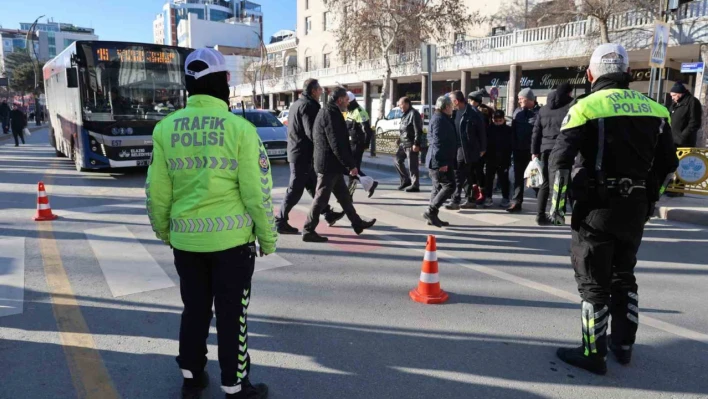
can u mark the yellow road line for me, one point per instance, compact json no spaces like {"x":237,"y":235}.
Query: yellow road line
{"x":88,"y":373}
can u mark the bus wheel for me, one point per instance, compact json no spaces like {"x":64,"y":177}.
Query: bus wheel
{"x":53,"y":143}
{"x":77,"y":159}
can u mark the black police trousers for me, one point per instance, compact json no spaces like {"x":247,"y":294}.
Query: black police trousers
{"x":224,"y":280}
{"x":604,"y":248}
{"x":302,"y":177}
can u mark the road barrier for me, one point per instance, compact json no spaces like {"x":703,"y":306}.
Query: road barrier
{"x":692,"y":172}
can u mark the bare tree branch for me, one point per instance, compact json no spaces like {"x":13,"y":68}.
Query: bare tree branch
{"x":396,"y":26}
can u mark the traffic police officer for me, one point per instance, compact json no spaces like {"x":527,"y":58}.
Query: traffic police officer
{"x":360,"y":134}
{"x":626,"y":153}
{"x":209,"y":197}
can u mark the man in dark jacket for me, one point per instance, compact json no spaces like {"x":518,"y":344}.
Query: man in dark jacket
{"x":333,"y":158}
{"x":411,"y":129}
{"x":498,"y":158}
{"x":18,"y":121}
{"x":522,"y":125}
{"x":547,"y":128}
{"x":443,"y":142}
{"x":475,"y":100}
{"x":686,"y":115}
{"x":5,"y":117}
{"x":472,"y":134}
{"x":301,"y":118}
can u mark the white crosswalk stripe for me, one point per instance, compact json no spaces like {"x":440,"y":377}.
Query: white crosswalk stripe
{"x":127,"y":266}
{"x":12,"y":276}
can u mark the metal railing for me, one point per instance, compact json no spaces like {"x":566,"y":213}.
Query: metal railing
{"x":405,"y":61}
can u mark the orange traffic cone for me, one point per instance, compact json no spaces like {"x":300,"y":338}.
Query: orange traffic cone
{"x":44,"y":211}
{"x":428,"y":290}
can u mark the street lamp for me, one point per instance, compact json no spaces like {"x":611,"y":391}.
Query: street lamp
{"x":32,"y":32}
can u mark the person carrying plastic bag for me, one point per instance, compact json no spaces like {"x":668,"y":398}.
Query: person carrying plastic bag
{"x":534,"y":174}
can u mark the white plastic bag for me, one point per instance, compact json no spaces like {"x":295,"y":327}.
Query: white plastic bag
{"x":26,"y":132}
{"x":534,"y":173}
{"x":366,"y":182}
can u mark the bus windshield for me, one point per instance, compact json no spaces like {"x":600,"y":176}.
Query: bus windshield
{"x":131,"y":82}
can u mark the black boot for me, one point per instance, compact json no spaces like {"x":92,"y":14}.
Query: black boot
{"x":431,"y":215}
{"x":192,"y":388}
{"x":332,"y":217}
{"x":625,"y":321}
{"x":359,"y":228}
{"x":373,"y":188}
{"x":404,"y":185}
{"x":591,"y":355}
{"x":285,"y":228}
{"x":250,"y":391}
{"x":623,"y":353}
{"x":543,"y":220}
{"x":313,"y":237}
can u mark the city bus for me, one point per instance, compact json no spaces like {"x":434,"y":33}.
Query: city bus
{"x":104,"y":99}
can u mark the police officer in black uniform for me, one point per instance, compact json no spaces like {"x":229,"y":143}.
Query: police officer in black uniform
{"x":626,"y":154}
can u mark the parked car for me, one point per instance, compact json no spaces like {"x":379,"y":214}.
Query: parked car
{"x":392,"y":121}
{"x":273,"y":134}
{"x":283,"y":117}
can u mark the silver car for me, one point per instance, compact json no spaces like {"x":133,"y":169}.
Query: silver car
{"x":273,"y":134}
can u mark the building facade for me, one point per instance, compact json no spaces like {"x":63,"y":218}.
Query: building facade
{"x":496,"y":55}
{"x":166,"y":23}
{"x":54,"y":37}
{"x":194,"y":32}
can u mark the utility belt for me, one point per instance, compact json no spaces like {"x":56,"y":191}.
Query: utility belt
{"x":584,"y":187}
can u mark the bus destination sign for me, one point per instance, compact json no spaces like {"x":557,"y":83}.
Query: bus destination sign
{"x":137,"y":55}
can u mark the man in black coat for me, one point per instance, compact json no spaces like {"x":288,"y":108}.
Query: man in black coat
{"x":301,"y":119}
{"x":545,"y":131}
{"x":411,"y":130}
{"x":5,"y":117}
{"x":472,"y":134}
{"x":333,"y":158}
{"x":498,"y":158}
{"x":522,"y":123}
{"x":686,"y":115}
{"x":18,"y":121}
{"x":443,"y":142}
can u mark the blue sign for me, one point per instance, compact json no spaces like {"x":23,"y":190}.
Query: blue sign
{"x":691,"y":67}
{"x":659,"y":44}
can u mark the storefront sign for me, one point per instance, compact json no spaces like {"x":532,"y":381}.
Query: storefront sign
{"x":542,"y":79}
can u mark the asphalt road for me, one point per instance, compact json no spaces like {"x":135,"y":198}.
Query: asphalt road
{"x":90,"y":306}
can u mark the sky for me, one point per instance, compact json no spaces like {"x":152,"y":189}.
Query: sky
{"x":124,"y":20}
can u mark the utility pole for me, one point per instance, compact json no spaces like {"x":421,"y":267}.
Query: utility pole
{"x":29,"y":45}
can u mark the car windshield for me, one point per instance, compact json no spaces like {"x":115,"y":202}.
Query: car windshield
{"x":262,"y":119}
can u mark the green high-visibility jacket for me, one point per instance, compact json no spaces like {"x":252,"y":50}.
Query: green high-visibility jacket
{"x":209,"y":181}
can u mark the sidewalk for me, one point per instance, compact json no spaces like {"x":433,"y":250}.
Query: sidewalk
{"x":689,"y":209}
{"x":384,"y":162}
{"x":32,"y":129}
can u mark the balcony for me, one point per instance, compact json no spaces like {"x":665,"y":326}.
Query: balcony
{"x":567,"y":41}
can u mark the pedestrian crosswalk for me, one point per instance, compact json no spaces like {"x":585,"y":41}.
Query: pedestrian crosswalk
{"x":127,"y":266}
{"x":12,"y":275}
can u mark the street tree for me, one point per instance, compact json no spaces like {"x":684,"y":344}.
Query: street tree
{"x":22,"y":78}
{"x":258,"y":71}
{"x":384,"y":28}
{"x":522,"y":14}
{"x":15,"y":59}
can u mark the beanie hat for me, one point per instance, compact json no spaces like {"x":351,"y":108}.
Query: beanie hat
{"x":527,"y":93}
{"x":679,"y":88}
{"x":565,"y":88}
{"x":476,"y":96}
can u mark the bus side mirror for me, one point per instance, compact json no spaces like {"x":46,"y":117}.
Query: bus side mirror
{"x":72,"y":78}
